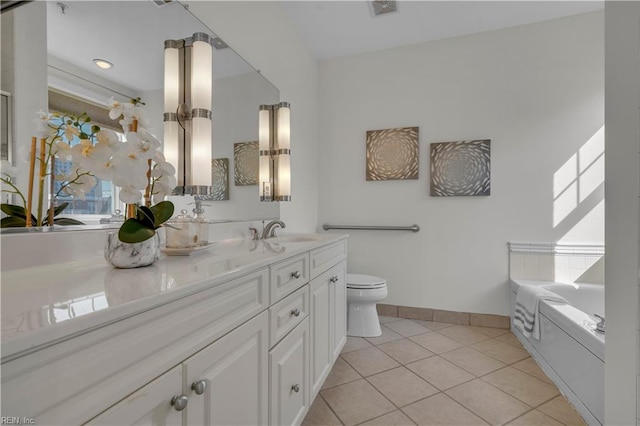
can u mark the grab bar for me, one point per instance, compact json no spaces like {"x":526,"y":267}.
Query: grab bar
{"x":413,"y":228}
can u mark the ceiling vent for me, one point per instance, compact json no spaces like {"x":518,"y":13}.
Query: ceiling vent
{"x":161,"y":3}
{"x":380,"y":7}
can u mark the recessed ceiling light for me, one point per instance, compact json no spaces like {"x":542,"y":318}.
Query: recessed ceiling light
{"x":105,"y":65}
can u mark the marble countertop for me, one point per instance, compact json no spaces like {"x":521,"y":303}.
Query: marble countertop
{"x":44,"y":305}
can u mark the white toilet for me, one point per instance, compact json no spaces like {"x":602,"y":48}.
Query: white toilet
{"x":363,"y":292}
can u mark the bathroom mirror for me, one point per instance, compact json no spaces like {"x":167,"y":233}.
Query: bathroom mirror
{"x":131,"y":36}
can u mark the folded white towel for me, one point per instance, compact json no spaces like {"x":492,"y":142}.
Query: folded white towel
{"x":528,"y":308}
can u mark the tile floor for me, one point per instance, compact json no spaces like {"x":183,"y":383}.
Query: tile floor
{"x":430,"y":373}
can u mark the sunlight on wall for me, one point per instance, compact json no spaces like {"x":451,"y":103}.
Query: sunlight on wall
{"x":577,"y":179}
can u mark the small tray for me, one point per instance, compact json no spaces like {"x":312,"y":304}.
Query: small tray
{"x":187,"y":251}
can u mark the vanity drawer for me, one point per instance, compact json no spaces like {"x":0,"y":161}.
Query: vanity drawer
{"x":288,"y":275}
{"x":287,"y":313}
{"x":324,"y":258}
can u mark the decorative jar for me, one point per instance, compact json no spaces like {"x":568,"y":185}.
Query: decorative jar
{"x":131,"y":255}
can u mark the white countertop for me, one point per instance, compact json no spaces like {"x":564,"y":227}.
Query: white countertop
{"x":44,"y":305}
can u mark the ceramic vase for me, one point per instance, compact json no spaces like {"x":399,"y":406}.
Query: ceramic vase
{"x":131,"y":255}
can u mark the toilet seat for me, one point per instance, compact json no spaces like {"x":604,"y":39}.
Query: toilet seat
{"x":364,"y":282}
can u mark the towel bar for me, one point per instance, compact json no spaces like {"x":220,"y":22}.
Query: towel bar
{"x":413,"y":228}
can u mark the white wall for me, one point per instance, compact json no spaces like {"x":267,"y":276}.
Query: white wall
{"x":263,"y":35}
{"x":536,"y":91}
{"x":622,"y":227}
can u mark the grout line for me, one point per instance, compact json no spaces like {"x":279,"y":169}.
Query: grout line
{"x":330,"y":407}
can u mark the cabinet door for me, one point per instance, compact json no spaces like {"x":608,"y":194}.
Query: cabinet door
{"x":321,"y":330}
{"x":289,"y":361}
{"x":236,"y":374}
{"x":150,"y":405}
{"x":339,"y":296}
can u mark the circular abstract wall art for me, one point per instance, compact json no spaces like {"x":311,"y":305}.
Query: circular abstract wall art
{"x":392,"y":154}
{"x":220,"y":179}
{"x":461,"y":168}
{"x":246,"y":160}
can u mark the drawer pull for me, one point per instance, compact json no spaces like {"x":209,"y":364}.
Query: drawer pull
{"x":295,"y":312}
{"x":179,"y":402}
{"x":295,"y":274}
{"x":295,"y":388}
{"x":199,"y":386}
{"x":334,"y":279}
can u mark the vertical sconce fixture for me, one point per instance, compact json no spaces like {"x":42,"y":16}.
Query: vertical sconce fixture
{"x":274,"y":139}
{"x":188,"y":87}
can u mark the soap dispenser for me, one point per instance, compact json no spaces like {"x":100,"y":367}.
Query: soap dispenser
{"x":182,"y":231}
{"x":201,"y":223}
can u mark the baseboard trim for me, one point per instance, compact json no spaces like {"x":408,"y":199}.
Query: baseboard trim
{"x":438,"y":315}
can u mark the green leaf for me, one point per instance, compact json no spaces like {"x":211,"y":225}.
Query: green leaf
{"x":162,"y":212}
{"x":65,"y":221}
{"x":83,"y":136}
{"x":13,"y":210}
{"x":95,"y":129}
{"x":59,"y":209}
{"x":146,"y":216}
{"x":133,"y":231}
{"x":12,"y":222}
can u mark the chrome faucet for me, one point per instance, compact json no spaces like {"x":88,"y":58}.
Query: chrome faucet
{"x":269,"y":230}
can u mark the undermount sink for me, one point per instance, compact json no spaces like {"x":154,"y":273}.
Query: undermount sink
{"x":294,"y":238}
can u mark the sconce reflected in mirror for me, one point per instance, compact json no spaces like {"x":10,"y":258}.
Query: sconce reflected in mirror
{"x":187,"y":112}
{"x":274,"y":139}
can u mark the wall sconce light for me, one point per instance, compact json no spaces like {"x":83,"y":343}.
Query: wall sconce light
{"x":274,"y":139}
{"x":188,"y":87}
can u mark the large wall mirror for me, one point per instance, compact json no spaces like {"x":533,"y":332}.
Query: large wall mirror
{"x":54,"y":68}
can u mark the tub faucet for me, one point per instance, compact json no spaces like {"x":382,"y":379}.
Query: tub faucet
{"x":600,"y":325}
{"x":269,"y":230}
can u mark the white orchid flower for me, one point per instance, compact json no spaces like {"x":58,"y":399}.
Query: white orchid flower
{"x":81,"y":186}
{"x":144,"y":144}
{"x":130,"y":195}
{"x":116,"y":108}
{"x":109,"y":138}
{"x":43,"y":128}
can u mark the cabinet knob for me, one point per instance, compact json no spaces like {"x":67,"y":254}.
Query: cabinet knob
{"x":334,"y":279}
{"x":199,"y":386}
{"x":295,"y":312}
{"x":179,"y":402}
{"x":295,"y":388}
{"x":295,"y":274}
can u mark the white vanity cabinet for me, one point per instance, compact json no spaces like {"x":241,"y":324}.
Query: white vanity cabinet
{"x":252,"y":350}
{"x":328,"y":304}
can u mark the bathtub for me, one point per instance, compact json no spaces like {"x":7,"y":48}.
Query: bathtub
{"x":569,"y":351}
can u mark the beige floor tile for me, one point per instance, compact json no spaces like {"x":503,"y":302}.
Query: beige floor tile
{"x":356,"y":402}
{"x":535,"y":418}
{"x":561,"y":410}
{"x":511,"y":339}
{"x":401,"y":386}
{"x":526,"y":388}
{"x":434,"y":325}
{"x":355,"y":343}
{"x":340,"y":373}
{"x":407,"y":328}
{"x":490,"y":331}
{"x":441,"y":410}
{"x":439,"y":372}
{"x":436,"y":342}
{"x":385,"y":320}
{"x":320,"y":415}
{"x":529,"y":366}
{"x":388,"y":335}
{"x":501,"y":351}
{"x":394,"y":418}
{"x":370,"y":361}
{"x":463,"y":334}
{"x":405,"y":351}
{"x":473,"y":361}
{"x":489,"y":403}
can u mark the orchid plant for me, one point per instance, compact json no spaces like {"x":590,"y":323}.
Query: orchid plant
{"x":51,"y":130}
{"x":137,"y":166}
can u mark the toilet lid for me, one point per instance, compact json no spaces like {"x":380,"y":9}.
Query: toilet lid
{"x":364,"y":281}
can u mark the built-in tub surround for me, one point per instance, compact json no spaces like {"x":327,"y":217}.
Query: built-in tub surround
{"x":239,"y":314}
{"x":570,"y":351}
